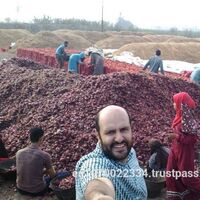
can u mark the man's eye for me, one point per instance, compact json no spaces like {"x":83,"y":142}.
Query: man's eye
{"x":111,"y":132}
{"x":124,"y":129}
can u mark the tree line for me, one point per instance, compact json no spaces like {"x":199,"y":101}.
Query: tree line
{"x":49,"y":24}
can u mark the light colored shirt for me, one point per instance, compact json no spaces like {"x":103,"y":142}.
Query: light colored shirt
{"x":60,"y":50}
{"x":30,"y":163}
{"x":195,"y":76}
{"x":127,"y":178}
{"x":74,"y":60}
{"x":155,"y":63}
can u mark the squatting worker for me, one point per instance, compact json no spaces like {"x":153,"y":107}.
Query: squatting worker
{"x":155,"y":63}
{"x":111,"y":171}
{"x":159,"y":155}
{"x":30,"y":163}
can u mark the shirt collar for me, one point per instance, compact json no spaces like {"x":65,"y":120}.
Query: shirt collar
{"x":34,"y":146}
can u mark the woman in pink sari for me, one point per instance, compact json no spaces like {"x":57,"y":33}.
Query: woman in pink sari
{"x":181,"y":157}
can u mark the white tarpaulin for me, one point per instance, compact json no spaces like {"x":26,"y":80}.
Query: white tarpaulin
{"x":169,"y":65}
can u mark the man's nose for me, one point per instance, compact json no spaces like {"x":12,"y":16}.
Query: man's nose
{"x":118,"y":137}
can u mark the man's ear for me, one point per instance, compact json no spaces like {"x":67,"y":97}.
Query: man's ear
{"x":94,"y":131}
{"x":41,"y":139}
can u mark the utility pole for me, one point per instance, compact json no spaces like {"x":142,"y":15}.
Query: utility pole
{"x":17,"y":10}
{"x":102,"y":17}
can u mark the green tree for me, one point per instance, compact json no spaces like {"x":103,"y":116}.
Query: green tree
{"x":124,"y":25}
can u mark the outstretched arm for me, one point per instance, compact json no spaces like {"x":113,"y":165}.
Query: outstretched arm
{"x":100,"y":189}
{"x":147,"y":64}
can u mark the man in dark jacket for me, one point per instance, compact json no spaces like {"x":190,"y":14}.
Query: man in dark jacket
{"x":97,"y":61}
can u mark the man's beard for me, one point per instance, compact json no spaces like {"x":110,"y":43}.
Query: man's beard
{"x":108,"y":150}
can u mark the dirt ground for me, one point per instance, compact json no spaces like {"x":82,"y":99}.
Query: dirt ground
{"x":142,"y":45}
{"x":8,"y":192}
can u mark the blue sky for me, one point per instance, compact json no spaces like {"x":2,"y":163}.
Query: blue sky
{"x":142,"y":13}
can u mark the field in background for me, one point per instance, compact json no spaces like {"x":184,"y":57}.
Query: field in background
{"x":142,"y":45}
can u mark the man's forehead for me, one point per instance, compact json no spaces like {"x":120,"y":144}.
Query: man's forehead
{"x":114,"y":126}
{"x":114,"y":119}
{"x":110,"y":110}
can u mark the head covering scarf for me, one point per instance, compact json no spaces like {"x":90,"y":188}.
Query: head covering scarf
{"x":179,"y":99}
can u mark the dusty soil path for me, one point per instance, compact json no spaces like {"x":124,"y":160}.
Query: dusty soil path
{"x":8,"y":192}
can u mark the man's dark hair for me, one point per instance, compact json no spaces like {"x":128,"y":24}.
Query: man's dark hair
{"x":97,"y":121}
{"x":158,"y":52}
{"x":66,"y":42}
{"x":82,"y":59}
{"x":35,"y":134}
